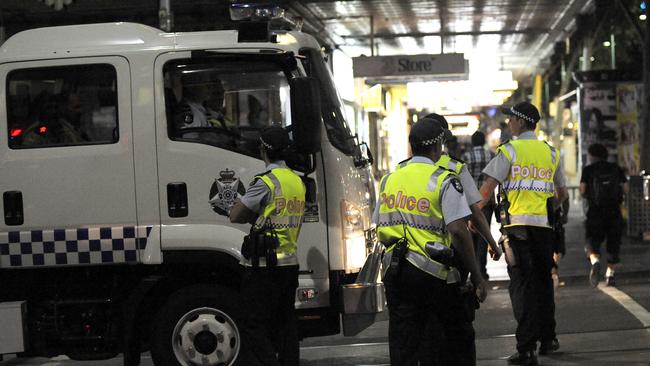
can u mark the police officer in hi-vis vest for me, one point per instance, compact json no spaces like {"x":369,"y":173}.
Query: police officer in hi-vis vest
{"x":419,"y":206}
{"x":532,"y":185}
{"x":275,"y":203}
{"x":478,"y":223}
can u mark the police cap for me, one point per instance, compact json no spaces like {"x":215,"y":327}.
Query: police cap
{"x":426,"y":131}
{"x":523,"y":110}
{"x":274,"y":138}
{"x":440,"y":119}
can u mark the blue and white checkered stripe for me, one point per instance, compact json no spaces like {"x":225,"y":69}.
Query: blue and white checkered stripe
{"x":82,"y":246}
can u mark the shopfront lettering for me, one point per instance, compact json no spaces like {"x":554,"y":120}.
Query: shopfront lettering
{"x":408,"y":65}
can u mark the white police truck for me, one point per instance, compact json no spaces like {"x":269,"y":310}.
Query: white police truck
{"x":122,"y":149}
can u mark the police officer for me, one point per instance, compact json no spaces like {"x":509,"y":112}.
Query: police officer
{"x":419,"y":205}
{"x":478,"y":223}
{"x":530,"y":174}
{"x":275,"y":201}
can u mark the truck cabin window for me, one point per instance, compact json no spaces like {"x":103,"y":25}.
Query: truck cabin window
{"x":338,"y":131}
{"x":225,"y":103}
{"x":62,"y":106}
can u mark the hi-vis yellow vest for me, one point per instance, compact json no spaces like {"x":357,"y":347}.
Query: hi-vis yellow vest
{"x":447,"y":162}
{"x":284,"y":211}
{"x":530,"y":181}
{"x":410,"y":205}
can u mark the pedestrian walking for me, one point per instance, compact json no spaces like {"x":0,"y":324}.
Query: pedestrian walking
{"x":476,"y":160}
{"x":529,"y":172}
{"x":603,"y":185}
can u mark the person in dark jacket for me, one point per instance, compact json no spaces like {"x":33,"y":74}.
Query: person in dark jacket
{"x":603,"y":185}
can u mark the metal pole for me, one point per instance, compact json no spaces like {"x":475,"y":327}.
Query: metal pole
{"x":442,"y":38}
{"x":585,"y":65}
{"x":165,"y":15}
{"x":645,"y":120}
{"x":372,"y":35}
{"x":612,"y":40}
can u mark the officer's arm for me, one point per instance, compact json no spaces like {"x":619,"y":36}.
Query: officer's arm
{"x":240,"y":214}
{"x":462,"y":242}
{"x":559,"y":180}
{"x":496,"y":171}
{"x":478,"y":219}
{"x":251,"y":204}
{"x":562,"y":195}
{"x":487,"y":190}
{"x":455,"y":212}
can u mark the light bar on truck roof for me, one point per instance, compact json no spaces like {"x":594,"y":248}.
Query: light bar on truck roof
{"x":255,"y":12}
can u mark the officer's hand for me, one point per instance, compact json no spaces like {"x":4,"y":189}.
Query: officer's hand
{"x":471,"y":227}
{"x":495,"y":251}
{"x":481,"y":289}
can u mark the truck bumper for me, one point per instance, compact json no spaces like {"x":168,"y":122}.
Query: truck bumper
{"x":12,"y":327}
{"x":364,"y":302}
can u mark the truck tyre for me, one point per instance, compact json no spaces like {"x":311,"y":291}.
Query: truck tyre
{"x":196,"y":326}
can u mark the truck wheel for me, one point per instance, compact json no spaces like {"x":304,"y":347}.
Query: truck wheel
{"x":196,"y":326}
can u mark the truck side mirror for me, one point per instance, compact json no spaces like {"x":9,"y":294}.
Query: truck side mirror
{"x":305,"y":114}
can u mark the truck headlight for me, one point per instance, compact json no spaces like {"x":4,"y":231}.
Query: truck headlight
{"x":353,"y":236}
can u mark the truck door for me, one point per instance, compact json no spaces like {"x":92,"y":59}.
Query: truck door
{"x":213,"y":108}
{"x":67,"y":164}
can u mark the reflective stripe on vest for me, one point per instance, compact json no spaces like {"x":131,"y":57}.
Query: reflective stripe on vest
{"x":438,"y":270}
{"x":284,"y":212}
{"x":411,"y":220}
{"x":530,"y":180}
{"x":410,"y":202}
{"x":528,"y":185}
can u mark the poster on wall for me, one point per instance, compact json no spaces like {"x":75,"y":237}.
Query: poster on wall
{"x":598,"y":122}
{"x":628,"y":110}
{"x":609,"y":109}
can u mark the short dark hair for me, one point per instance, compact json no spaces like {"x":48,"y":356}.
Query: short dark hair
{"x":275,"y":155}
{"x":422,"y":150}
{"x":529,"y":125}
{"x":598,"y":151}
{"x":478,"y":138}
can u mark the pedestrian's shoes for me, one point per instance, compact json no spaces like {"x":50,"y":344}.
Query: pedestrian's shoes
{"x":527,"y":358}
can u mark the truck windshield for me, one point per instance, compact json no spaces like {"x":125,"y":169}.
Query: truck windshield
{"x":337,"y":128}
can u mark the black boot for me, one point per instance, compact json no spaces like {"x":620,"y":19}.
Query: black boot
{"x":527,"y":358}
{"x":549,"y":347}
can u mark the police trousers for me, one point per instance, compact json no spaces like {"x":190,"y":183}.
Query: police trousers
{"x":428,"y":321}
{"x":270,"y":329}
{"x":531,"y":285}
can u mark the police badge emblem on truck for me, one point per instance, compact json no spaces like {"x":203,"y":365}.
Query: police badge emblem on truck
{"x":225,"y":191}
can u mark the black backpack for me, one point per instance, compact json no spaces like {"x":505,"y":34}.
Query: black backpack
{"x":605,"y":187}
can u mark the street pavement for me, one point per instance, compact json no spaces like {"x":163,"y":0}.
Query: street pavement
{"x":596,"y":326}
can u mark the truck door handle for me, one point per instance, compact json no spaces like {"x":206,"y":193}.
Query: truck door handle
{"x":177,"y":199}
{"x":13,"y":204}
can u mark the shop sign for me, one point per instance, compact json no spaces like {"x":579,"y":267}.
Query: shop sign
{"x":447,"y":66}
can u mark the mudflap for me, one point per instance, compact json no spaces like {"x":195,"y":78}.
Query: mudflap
{"x":364,"y":302}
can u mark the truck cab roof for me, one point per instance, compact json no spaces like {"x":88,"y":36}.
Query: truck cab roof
{"x":118,"y":38}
